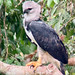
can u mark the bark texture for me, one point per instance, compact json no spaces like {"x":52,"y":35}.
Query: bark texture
{"x":71,"y":61}
{"x":26,"y":70}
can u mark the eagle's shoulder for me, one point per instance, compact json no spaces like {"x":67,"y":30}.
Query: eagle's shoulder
{"x":37,"y":23}
{"x":41,"y":25}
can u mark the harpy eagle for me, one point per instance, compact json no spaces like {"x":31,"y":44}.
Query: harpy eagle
{"x":42,"y":35}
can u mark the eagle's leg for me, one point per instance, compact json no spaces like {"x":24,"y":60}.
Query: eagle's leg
{"x":36,"y":63}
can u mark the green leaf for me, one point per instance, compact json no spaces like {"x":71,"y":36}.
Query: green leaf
{"x":73,"y":73}
{"x":9,"y":33}
{"x":66,"y":72}
{"x":17,"y":63}
{"x":73,"y":21}
{"x":49,"y":2}
{"x":9,"y":61}
{"x":52,"y":4}
{"x":53,"y":11}
{"x":20,"y":58}
{"x":57,"y":26}
{"x":8,"y":4}
{"x":1,"y":1}
{"x":56,"y":1}
{"x":18,"y":50}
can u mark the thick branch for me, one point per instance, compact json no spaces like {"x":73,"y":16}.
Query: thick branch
{"x":71,"y":61}
{"x":25,"y":70}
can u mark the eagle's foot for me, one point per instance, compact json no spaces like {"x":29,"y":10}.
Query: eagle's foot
{"x":35,"y":64}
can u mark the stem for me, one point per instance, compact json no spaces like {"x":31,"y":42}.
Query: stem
{"x":19,"y":3}
{"x":0,"y":40}
{"x":5,"y":34}
{"x":66,"y":23}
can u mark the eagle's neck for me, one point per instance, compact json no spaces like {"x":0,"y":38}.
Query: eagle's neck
{"x":27,"y":23}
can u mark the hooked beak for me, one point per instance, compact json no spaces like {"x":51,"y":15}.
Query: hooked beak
{"x":26,"y":11}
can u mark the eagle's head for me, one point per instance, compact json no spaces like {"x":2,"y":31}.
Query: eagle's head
{"x":31,"y":11}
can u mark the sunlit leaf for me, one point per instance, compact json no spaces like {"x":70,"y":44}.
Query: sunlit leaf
{"x":1,"y":1}
{"x":8,"y":4}
{"x":56,"y":1}
{"x":74,"y":21}
{"x":9,"y":61}
{"x":52,"y":4}
{"x":53,"y":11}
{"x":49,"y":2}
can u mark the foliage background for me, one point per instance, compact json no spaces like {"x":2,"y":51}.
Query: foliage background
{"x":59,"y":14}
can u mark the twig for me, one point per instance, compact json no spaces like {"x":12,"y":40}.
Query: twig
{"x":31,"y":55}
{"x":0,"y":40}
{"x":19,"y":3}
{"x":66,"y":23}
{"x":5,"y":33}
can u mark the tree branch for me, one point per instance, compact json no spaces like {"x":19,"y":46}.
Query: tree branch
{"x":71,"y":61}
{"x":25,"y":70}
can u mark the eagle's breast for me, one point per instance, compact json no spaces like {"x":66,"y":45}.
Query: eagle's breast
{"x":30,"y":35}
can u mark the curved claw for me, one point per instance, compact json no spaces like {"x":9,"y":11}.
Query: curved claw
{"x":35,"y":64}
{"x":31,"y":66}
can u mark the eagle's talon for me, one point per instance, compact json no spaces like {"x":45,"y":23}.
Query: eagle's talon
{"x":31,"y":66}
{"x":34,"y":64}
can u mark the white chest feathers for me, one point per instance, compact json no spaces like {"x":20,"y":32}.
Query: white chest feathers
{"x":30,"y":35}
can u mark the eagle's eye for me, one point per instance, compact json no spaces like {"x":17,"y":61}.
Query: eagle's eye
{"x":27,"y":10}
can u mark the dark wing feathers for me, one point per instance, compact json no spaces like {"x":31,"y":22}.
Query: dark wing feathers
{"x":48,"y":40}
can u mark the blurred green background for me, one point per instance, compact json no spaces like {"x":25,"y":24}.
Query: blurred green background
{"x":59,"y":14}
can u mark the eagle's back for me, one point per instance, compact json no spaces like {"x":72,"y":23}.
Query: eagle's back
{"x":48,"y":40}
